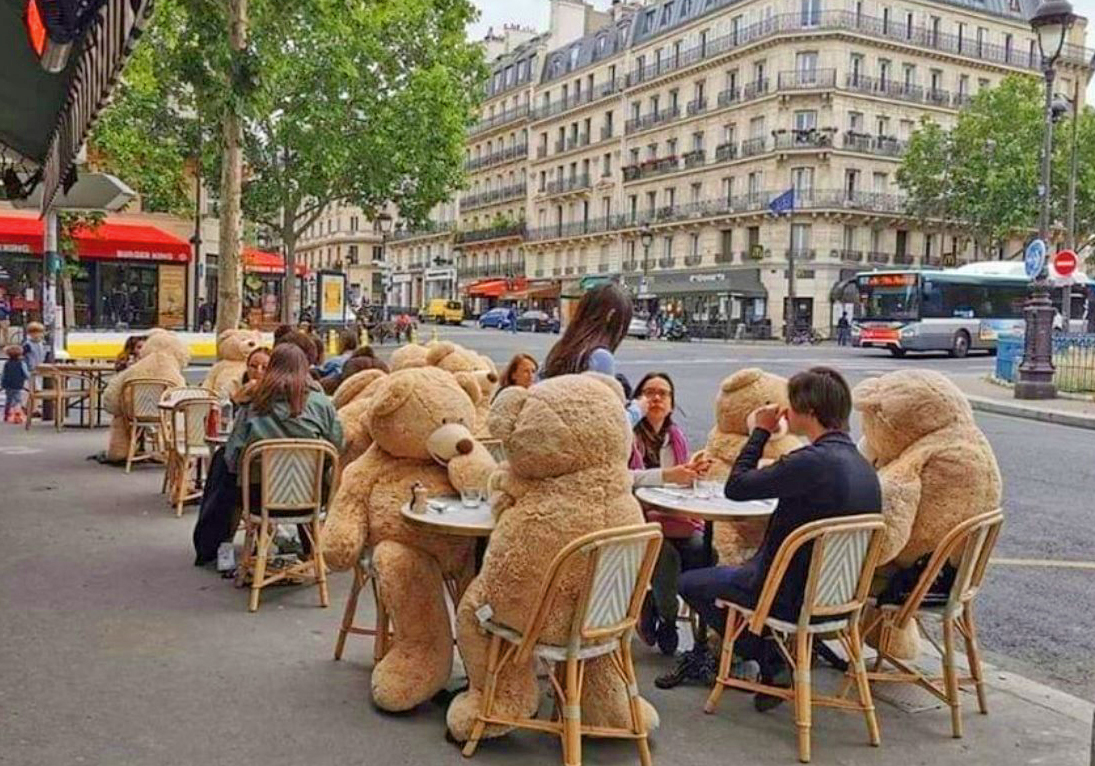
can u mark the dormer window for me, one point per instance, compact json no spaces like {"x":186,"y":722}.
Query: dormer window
{"x":667,"y":13}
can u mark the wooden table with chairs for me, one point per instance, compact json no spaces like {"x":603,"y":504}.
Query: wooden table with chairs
{"x":90,"y":379}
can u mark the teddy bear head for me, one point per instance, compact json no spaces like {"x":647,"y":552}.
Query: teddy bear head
{"x":350,"y":388}
{"x":406,"y":356}
{"x":742,"y":393}
{"x":562,"y":425}
{"x":899,"y":408}
{"x":451,"y":357}
{"x":160,"y":341}
{"x":409,"y":405}
{"x":236,"y":345}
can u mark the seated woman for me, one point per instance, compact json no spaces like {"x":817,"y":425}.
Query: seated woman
{"x":257,"y":362}
{"x":660,"y":456}
{"x":130,"y":352}
{"x":521,"y":371}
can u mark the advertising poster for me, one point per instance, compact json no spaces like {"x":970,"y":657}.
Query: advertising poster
{"x":332,"y":297}
{"x":171,"y":293}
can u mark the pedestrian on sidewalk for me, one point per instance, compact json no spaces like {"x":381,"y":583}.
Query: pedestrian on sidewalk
{"x":34,"y":349}
{"x":14,"y":380}
{"x":843,"y":330}
{"x":5,"y":318}
{"x":826,"y":479}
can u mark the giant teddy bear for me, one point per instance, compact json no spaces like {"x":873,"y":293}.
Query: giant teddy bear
{"x":471,"y":370}
{"x":739,"y":396}
{"x":936,"y":467}
{"x":163,"y":356}
{"x":233,"y":348}
{"x":412,"y":417}
{"x":567,"y":440}
{"x":352,"y":400}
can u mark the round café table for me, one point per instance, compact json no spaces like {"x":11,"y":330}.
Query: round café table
{"x":683,"y":501}
{"x":449,"y":516}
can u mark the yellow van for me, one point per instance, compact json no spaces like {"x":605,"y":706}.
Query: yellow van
{"x":444,"y":311}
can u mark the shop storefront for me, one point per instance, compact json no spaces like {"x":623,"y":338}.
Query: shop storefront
{"x":712,"y":302}
{"x":539,"y":296}
{"x":482,"y":296}
{"x":123,"y":276}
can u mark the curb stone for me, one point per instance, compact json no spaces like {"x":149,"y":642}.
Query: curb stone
{"x":995,"y":406}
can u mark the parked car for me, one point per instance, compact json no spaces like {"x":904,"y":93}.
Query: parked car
{"x":638,"y":328}
{"x":497,"y":317}
{"x":444,"y":311}
{"x":537,"y":321}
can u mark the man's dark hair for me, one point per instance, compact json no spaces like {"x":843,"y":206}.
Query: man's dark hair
{"x":823,"y":393}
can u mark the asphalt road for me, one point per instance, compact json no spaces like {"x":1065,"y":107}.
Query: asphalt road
{"x":1035,"y":619}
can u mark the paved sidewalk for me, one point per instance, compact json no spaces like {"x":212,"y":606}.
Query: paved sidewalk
{"x":988,"y":396}
{"x":116,"y":651}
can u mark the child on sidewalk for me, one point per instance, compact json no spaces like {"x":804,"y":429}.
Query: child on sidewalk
{"x":13,"y":381}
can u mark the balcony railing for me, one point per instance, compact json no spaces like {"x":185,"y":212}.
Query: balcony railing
{"x":516,"y":229}
{"x":602,"y":268}
{"x":807,"y":79}
{"x":541,"y":152}
{"x":574,"y":183}
{"x":651,"y":119}
{"x":695,"y":158}
{"x":629,"y":265}
{"x":693,"y":260}
{"x":561,"y":105}
{"x":812,"y":138}
{"x":724,"y":257}
{"x":726,"y":152}
{"x":903,"y":259}
{"x":573,"y":142}
{"x":884,"y":145}
{"x":504,"y":118}
{"x":425,"y":230}
{"x":853,"y":256}
{"x":667,"y":263}
{"x":606,"y":132}
{"x":697,"y":106}
{"x":801,"y":255}
{"x":877,"y":257}
{"x":492,"y":197}
{"x":919,"y":38}
{"x":651,"y":168}
{"x":753,"y":146}
{"x":518,"y":151}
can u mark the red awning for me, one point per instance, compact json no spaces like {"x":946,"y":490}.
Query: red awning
{"x":491,"y":288}
{"x":108,"y":241}
{"x":262,"y":262}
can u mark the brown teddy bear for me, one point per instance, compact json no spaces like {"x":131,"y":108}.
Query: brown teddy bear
{"x":407,"y":355}
{"x":567,"y":440}
{"x":233,"y":348}
{"x":352,"y":401}
{"x":163,"y":356}
{"x":469,"y":368}
{"x":739,"y":396}
{"x":936,"y":467}
{"x":406,"y":410}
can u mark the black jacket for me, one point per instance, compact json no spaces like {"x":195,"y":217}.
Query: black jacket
{"x":825,"y":479}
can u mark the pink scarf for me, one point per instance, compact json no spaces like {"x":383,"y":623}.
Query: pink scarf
{"x":672,"y":525}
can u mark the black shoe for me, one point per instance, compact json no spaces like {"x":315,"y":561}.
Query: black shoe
{"x":668,"y":638}
{"x":648,"y":622}
{"x":762,"y":703}
{"x":696,"y":665}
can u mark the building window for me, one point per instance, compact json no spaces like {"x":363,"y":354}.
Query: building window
{"x":667,"y":247}
{"x":694,"y":245}
{"x":800,"y":237}
{"x":728,"y":189}
{"x":857,"y":69}
{"x":606,"y":164}
{"x":855,"y":122}
{"x":697,"y":141}
{"x":696,"y":190}
{"x":803,"y":181}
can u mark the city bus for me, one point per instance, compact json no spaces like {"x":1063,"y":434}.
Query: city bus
{"x":952,"y":310}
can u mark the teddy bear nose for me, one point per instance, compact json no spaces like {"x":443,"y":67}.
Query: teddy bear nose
{"x":464,"y":446}
{"x":492,"y":377}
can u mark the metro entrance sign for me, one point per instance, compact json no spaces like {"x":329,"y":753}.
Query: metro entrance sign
{"x":1064,"y":263}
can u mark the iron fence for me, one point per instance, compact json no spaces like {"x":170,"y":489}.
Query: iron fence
{"x":1073,"y":361}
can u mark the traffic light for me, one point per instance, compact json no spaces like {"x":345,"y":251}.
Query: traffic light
{"x":54,"y":26}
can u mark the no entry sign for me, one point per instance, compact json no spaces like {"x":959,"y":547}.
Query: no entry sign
{"x":1064,"y":263}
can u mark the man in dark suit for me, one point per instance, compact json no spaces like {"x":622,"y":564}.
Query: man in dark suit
{"x":825,"y":479}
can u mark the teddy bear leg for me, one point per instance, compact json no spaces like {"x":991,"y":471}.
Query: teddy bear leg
{"x":516,"y":694}
{"x":418,"y":662}
{"x":605,"y":698}
{"x":118,"y":446}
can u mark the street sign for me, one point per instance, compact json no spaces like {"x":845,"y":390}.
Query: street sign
{"x":1035,"y":258}
{"x":1064,"y":263}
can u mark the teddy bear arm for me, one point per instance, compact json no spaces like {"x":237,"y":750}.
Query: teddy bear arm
{"x":471,"y":470}
{"x":900,"y":502}
{"x":347,"y":526}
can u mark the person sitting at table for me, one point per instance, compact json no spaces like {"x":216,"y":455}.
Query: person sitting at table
{"x":521,"y":371}
{"x":363,"y":358}
{"x":826,"y":479}
{"x":130,"y":352}
{"x":257,"y":362}
{"x":659,"y":455}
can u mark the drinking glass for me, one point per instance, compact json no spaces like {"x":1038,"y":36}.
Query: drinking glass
{"x":706,"y":488}
{"x":469,"y":498}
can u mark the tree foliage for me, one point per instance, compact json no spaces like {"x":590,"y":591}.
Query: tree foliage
{"x":982,"y":177}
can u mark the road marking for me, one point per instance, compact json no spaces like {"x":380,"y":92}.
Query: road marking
{"x":1054,"y":563}
{"x":18,"y":450}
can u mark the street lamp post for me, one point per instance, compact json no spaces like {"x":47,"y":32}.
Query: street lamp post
{"x":384,"y":222}
{"x":1051,"y":24}
{"x":457,"y":254}
{"x":646,"y":236}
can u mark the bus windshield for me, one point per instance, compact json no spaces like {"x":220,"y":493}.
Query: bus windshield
{"x":889,"y":297}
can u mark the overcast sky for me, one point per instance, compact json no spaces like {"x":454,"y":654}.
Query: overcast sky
{"x":534,"y":13}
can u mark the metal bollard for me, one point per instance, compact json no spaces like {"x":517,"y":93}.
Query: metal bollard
{"x":332,"y":342}
{"x":363,"y":340}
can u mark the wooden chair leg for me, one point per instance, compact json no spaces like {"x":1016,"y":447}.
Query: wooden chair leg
{"x":318,"y":565}
{"x":973,"y":657}
{"x":350,"y":610}
{"x":383,"y":626}
{"x":487,"y":704}
{"x":638,"y":726}
{"x":265,"y":538}
{"x":133,"y":428}
{"x":862,"y":685}
{"x":725,"y":660}
{"x":950,"y":677}
{"x":802,"y":690}
{"x":572,"y":716}
{"x":180,"y":484}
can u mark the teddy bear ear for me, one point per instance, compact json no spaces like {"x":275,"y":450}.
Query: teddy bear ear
{"x":225,"y":335}
{"x":438,"y":350}
{"x":391,"y":395}
{"x":741,"y":379}
{"x":609,"y":381}
{"x":505,"y":410}
{"x":470,"y":384}
{"x":865,"y":395}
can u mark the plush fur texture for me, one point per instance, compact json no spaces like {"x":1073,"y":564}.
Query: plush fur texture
{"x":567,"y":440}
{"x":406,"y":356}
{"x":163,"y":356}
{"x":471,"y":370}
{"x":936,"y":467}
{"x":352,"y":410}
{"x":233,"y":348}
{"x":405,"y":410}
{"x":739,"y":396}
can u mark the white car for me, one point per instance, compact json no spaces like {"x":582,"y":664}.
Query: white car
{"x":638,"y":328}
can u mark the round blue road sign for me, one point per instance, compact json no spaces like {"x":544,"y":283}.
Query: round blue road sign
{"x":1035,"y":258}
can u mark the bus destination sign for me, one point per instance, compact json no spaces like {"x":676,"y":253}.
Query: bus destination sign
{"x":888,"y":280}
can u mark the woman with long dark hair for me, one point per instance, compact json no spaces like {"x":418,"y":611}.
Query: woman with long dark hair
{"x":593,"y":335}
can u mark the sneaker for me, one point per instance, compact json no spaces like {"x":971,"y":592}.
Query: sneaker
{"x":648,"y":622}
{"x":696,"y":665}
{"x":745,"y":670}
{"x":667,"y":637}
{"x":765,"y":702}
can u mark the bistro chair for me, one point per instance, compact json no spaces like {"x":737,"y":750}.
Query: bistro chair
{"x":292,"y":492}
{"x":168,"y":401}
{"x":141,"y":405}
{"x":970,"y":543}
{"x":842,"y":563}
{"x":187,"y":447}
{"x":618,"y":564}
{"x":38,"y":393}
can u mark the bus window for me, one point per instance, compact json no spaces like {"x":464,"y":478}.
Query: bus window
{"x":891,"y":297}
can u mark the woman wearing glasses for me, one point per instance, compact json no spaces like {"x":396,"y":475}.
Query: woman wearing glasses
{"x":660,"y":456}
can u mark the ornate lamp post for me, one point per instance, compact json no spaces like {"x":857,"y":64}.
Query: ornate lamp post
{"x":1051,"y":24}
{"x":646,"y":236}
{"x":457,"y":256}
{"x":384,"y":222}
